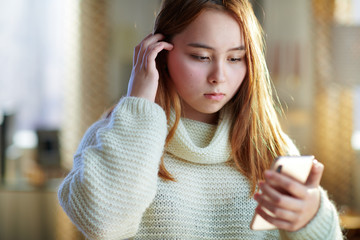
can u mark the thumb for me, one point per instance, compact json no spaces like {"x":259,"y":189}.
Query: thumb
{"x":315,"y":174}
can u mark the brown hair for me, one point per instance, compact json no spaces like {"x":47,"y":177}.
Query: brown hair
{"x":256,"y":137}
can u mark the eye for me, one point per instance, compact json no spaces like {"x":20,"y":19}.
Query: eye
{"x":234,"y":59}
{"x":201,"y":58}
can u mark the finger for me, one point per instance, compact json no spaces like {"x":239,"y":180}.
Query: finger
{"x":271,"y":196}
{"x":278,"y":212}
{"x":315,"y":174}
{"x":142,"y":48}
{"x":279,"y":223}
{"x":288,"y":184}
{"x":136,"y":54}
{"x":153,"y":53}
{"x":137,"y":49}
{"x":150,"y":40}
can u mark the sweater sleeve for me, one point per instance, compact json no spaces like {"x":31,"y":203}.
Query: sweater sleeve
{"x":114,"y":176}
{"x":324,"y":226}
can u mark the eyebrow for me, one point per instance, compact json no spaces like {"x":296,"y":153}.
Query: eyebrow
{"x":200,"y":45}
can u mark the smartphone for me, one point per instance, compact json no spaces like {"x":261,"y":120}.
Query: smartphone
{"x":297,"y":167}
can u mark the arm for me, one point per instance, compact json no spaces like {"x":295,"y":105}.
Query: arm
{"x":114,"y":176}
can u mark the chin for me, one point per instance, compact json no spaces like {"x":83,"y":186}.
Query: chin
{"x":210,"y":111}
{"x":214,"y":108}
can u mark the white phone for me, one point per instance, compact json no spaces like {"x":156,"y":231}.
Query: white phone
{"x":297,"y":167}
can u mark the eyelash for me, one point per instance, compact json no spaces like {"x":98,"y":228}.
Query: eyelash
{"x":201,"y":58}
{"x":207,"y":59}
{"x":235,"y":59}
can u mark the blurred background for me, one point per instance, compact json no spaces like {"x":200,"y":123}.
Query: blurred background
{"x":63,"y":63}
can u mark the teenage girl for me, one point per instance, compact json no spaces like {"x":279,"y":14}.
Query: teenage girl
{"x":185,"y":153}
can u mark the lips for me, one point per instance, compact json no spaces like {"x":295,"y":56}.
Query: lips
{"x":214,"y":96}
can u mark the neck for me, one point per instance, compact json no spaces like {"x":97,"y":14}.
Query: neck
{"x":190,"y":113}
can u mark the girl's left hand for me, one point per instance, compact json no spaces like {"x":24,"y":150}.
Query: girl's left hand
{"x":292,"y":203}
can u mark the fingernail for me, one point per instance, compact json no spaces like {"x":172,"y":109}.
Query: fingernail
{"x":316,"y":163}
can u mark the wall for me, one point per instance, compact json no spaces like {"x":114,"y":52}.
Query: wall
{"x":130,"y":21}
{"x":288,"y":28}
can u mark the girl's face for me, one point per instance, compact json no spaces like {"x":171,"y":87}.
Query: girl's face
{"x":207,"y":64}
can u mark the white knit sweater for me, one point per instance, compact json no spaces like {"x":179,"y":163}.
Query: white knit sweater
{"x":113,"y":190}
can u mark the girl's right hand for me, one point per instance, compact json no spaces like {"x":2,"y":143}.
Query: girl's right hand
{"x":144,"y":75}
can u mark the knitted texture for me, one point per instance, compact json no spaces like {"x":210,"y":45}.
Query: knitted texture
{"x":114,"y":176}
{"x":206,"y":131}
{"x":113,"y":191}
{"x":217,"y":151}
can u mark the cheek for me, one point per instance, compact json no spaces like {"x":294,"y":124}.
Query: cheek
{"x":182,"y":70}
{"x":239,"y":75}
{"x":192,"y":73}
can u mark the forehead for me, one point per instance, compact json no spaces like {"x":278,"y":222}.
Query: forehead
{"x":213,"y":27}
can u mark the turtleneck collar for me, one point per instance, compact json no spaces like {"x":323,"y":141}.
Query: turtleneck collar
{"x":218,"y":148}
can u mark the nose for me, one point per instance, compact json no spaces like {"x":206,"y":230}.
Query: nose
{"x":217,"y":72}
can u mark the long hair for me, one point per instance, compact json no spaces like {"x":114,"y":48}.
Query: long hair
{"x":256,"y":137}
